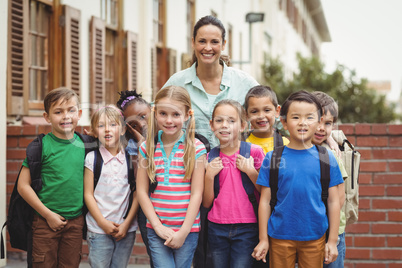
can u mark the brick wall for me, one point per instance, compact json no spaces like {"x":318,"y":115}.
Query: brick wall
{"x":374,"y":241}
{"x":18,"y":138}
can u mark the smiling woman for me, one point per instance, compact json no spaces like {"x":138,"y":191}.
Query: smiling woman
{"x":209,"y":79}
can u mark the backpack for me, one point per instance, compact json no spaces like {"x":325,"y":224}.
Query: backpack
{"x":245,"y":148}
{"x":351,"y":160}
{"x":98,"y":163}
{"x":20,"y":214}
{"x":325,"y":176}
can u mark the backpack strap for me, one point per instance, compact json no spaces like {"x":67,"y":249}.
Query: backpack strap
{"x":90,"y":142}
{"x":131,"y":182}
{"x":98,"y":163}
{"x":274,"y":174}
{"x":325,"y":178}
{"x":245,"y":151}
{"x":2,"y":242}
{"x":34,"y":158}
{"x":214,"y":153}
{"x":278,"y":141}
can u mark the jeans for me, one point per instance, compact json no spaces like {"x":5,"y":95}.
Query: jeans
{"x":231,"y":245}
{"x":105,"y":251}
{"x":165,"y":257}
{"x":338,"y":263}
{"x":142,"y":222}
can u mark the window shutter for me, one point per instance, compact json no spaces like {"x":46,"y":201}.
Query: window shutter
{"x":97,"y":60}
{"x":72,"y":48}
{"x":172,"y":62}
{"x":153,"y":71}
{"x":17,"y":71}
{"x":132,"y":60}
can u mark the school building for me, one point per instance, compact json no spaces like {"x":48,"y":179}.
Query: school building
{"x":99,"y":47}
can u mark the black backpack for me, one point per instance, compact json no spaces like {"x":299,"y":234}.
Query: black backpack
{"x":325,"y":176}
{"x":98,"y":163}
{"x":20,"y":213}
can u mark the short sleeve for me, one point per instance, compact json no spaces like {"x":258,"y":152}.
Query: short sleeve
{"x":199,"y":148}
{"x":263,"y":175}
{"x":258,"y":154}
{"x":143,"y":150}
{"x":89,"y":161}
{"x":25,"y":163}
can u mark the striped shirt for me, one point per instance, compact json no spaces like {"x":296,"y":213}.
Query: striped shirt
{"x":172,"y":194}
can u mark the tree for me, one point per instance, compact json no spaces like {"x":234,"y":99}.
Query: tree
{"x":357,"y":102}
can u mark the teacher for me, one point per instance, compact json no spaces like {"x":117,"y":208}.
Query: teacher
{"x":209,"y":79}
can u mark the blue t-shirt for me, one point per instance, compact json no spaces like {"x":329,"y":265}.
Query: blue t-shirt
{"x":299,"y":212}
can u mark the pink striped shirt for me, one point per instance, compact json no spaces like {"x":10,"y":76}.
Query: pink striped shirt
{"x":172,"y":194}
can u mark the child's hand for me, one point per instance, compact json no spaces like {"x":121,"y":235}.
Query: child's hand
{"x":214,"y":167}
{"x":331,"y":252}
{"x":122,"y":231}
{"x":56,"y":222}
{"x":109,"y":227}
{"x":260,"y":251}
{"x":164,"y":232}
{"x":176,"y":241}
{"x":136,"y":135}
{"x":333,"y":145}
{"x":245,"y":164}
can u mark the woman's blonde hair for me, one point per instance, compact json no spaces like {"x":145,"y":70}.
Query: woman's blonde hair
{"x":180,"y":95}
{"x":113,"y":114}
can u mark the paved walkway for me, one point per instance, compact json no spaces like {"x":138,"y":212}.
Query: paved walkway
{"x":22,"y":264}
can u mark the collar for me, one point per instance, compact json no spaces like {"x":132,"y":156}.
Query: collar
{"x":107,"y":156}
{"x":181,"y":140}
{"x":226,"y":77}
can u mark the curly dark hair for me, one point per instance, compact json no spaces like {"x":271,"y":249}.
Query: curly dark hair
{"x":128,"y":97}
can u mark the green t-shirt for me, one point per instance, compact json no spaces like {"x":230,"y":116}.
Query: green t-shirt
{"x":62,"y":175}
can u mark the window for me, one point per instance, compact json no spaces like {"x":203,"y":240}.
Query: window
{"x":158,"y":19}
{"x":190,"y":23}
{"x":39,"y":31}
{"x":39,"y":19}
{"x":230,"y":41}
{"x":109,"y":12}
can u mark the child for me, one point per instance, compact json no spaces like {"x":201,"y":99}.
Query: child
{"x":262,"y":109}
{"x":58,"y":221}
{"x":173,"y":159}
{"x":320,"y":137}
{"x":136,"y":112}
{"x":111,"y":222}
{"x":232,"y":227}
{"x":298,"y":223}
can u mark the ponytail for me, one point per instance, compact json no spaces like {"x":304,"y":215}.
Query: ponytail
{"x":189,"y":150}
{"x":150,"y":143}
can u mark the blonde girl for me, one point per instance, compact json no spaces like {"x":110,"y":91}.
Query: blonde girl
{"x":232,"y":223}
{"x":111,"y":221}
{"x":174,"y":159}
